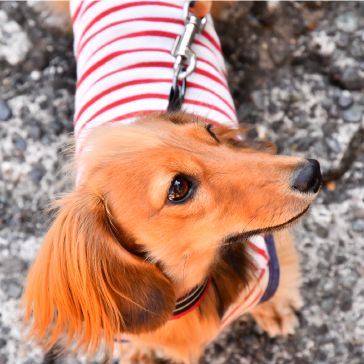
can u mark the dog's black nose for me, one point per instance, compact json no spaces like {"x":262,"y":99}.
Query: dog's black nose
{"x":308,"y":178}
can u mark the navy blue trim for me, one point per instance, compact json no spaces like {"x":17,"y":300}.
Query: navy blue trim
{"x":273,"y":269}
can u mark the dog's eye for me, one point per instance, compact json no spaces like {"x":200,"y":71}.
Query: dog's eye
{"x":179,"y":190}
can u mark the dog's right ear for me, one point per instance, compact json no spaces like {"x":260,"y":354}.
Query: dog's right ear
{"x":260,"y":146}
{"x":85,"y":284}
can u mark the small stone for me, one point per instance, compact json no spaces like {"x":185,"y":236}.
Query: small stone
{"x":341,"y":349}
{"x":297,"y":96}
{"x":350,"y":79}
{"x":55,"y":127}
{"x":2,"y":343}
{"x":359,"y":213}
{"x":320,"y":85}
{"x":253,"y":22}
{"x":347,"y":22}
{"x":358,"y":225}
{"x":345,"y":102}
{"x":20,"y":144}
{"x":328,"y":338}
{"x":279,"y":51}
{"x":335,"y":93}
{"x":331,"y":31}
{"x":31,"y":121}
{"x":43,"y":103}
{"x":342,"y":41}
{"x":353,"y":115}
{"x":321,"y":149}
{"x":14,"y":41}
{"x":333,"y":145}
{"x":301,"y":120}
{"x":328,"y":287}
{"x":334,"y":112}
{"x":357,"y":49}
{"x":323,"y":329}
{"x":244,"y":111}
{"x":276,"y":125}
{"x":326,"y":104}
{"x":346,"y":302}
{"x":327,"y":304}
{"x":13,"y":265}
{"x":68,"y":126}
{"x":322,"y":232}
{"x":46,"y":140}
{"x":218,"y":348}
{"x":15,"y":220}
{"x":340,"y":259}
{"x":35,"y":132}
{"x":322,"y":45}
{"x":258,"y":100}
{"x":5,"y":330}
{"x":304,"y":143}
{"x":12,"y":287}
{"x":349,"y":281}
{"x":5,"y":112}
{"x":272,"y":108}
{"x":35,"y":75}
{"x":37,"y":173}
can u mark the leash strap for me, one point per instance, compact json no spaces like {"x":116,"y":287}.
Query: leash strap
{"x":186,"y":59}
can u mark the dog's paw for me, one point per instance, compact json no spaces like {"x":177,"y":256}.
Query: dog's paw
{"x":133,"y":354}
{"x":278,"y":318}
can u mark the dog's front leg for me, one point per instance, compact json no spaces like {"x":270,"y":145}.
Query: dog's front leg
{"x":134,"y":353}
{"x":277,"y":316}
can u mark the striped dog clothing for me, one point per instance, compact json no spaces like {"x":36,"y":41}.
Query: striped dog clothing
{"x":125,"y":69}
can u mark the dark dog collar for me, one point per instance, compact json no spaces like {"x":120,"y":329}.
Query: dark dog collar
{"x":184,"y":304}
{"x":191,"y":300}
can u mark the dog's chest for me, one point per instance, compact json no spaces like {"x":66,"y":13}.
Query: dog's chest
{"x":125,"y":68}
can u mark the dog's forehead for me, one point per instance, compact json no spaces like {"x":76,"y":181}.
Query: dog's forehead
{"x":178,"y":127}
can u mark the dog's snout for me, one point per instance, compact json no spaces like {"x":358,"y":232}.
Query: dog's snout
{"x":308,"y":178}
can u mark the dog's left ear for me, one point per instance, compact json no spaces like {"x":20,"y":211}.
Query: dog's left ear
{"x":86,"y":284}
{"x":232,"y":136}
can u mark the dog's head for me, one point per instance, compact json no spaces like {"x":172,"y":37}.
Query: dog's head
{"x":155,"y":203}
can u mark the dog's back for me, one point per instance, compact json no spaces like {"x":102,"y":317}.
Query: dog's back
{"x":125,"y":67}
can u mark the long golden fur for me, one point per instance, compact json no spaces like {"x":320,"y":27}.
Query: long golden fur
{"x":119,"y":253}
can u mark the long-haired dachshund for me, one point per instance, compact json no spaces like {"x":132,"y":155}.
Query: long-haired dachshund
{"x":165,"y":238}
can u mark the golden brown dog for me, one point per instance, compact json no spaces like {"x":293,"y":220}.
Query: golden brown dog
{"x":120,"y":252}
{"x":162,"y":204}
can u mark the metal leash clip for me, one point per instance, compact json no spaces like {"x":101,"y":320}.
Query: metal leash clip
{"x":182,"y":51}
{"x":182,"y":46}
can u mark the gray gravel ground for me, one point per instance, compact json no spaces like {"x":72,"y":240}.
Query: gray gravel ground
{"x":296,"y":72}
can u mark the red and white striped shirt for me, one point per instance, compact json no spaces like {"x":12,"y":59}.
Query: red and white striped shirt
{"x":124,"y":69}
{"x":124,"y":65}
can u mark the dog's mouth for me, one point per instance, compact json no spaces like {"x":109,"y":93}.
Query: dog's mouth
{"x":237,"y":238}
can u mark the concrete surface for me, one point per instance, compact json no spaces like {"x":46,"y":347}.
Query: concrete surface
{"x":296,"y":72}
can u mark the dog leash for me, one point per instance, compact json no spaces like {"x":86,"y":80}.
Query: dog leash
{"x":186,"y":59}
